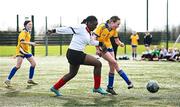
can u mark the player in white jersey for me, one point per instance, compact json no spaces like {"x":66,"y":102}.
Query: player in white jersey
{"x":82,"y":36}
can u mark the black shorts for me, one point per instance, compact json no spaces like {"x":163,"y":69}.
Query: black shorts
{"x":110,"y":49}
{"x":147,"y":45}
{"x":75,"y":57}
{"x":134,"y":46}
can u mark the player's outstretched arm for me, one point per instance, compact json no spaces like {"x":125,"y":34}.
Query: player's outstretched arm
{"x":118,"y":42}
{"x":65,"y":30}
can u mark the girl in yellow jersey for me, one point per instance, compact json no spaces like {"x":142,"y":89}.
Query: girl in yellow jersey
{"x":104,"y":32}
{"x":23,"y":51}
{"x":134,"y":42}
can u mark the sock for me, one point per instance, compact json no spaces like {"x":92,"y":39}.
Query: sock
{"x":13,"y":71}
{"x":31,"y":72}
{"x":111,"y":80}
{"x":97,"y":81}
{"x":135,"y":55}
{"x":124,"y":76}
{"x":59,"y":84}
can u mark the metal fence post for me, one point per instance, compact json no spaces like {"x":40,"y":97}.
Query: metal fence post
{"x":32,"y":35}
{"x":125,"y":37}
{"x":17,"y":29}
{"x":60,"y":37}
{"x":46,"y":37}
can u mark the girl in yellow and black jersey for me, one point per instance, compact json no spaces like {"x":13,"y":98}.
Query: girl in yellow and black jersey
{"x":134,"y":43}
{"x":23,"y":47}
{"x":104,"y":32}
{"x":23,"y":51}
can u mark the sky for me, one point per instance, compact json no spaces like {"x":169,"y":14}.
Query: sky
{"x":72,"y":12}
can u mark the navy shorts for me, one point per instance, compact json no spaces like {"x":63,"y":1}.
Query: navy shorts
{"x":110,"y":50}
{"x":75,"y":57}
{"x":134,"y":46}
{"x":25,"y":55}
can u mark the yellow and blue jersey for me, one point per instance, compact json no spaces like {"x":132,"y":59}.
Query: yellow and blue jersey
{"x":134,"y":39}
{"x":23,"y":36}
{"x":104,"y":34}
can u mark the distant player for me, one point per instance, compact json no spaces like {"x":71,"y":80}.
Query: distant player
{"x":147,"y":40}
{"x":134,"y":43}
{"x":81,"y":37}
{"x":105,"y":31}
{"x":23,"y":51}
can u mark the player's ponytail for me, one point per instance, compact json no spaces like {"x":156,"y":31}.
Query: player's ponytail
{"x":107,"y":21}
{"x":83,"y":22}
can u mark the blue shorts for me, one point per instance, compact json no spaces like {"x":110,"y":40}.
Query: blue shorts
{"x":25,"y":55}
{"x":110,"y":50}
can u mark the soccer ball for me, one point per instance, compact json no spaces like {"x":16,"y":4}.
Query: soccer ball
{"x":152,"y":86}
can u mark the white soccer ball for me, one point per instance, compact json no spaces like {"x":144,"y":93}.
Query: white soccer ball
{"x":152,"y":86}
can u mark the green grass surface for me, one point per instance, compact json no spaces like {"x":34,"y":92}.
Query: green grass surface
{"x":55,"y":50}
{"x":78,"y":92}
